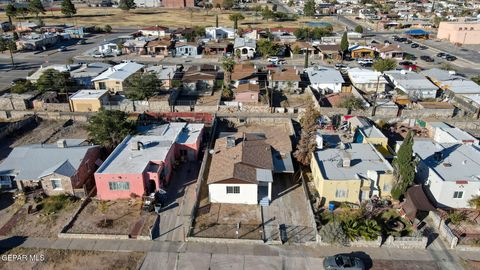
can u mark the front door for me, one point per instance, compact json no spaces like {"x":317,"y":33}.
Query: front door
{"x":262,"y":192}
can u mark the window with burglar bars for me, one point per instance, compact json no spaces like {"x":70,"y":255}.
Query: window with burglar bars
{"x":233,"y":190}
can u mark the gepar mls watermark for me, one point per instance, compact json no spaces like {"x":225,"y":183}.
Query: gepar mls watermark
{"x":22,"y":258}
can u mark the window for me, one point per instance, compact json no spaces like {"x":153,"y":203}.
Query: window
{"x":341,"y":193}
{"x":458,"y":194}
{"x":119,"y":185}
{"x":183,"y":152}
{"x":102,"y":85}
{"x":233,"y":190}
{"x":56,"y":184}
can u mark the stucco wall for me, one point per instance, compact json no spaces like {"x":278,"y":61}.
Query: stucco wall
{"x":247,"y":195}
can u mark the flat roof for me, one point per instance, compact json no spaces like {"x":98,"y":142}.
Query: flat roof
{"x":156,"y":140}
{"x":88,"y":94}
{"x":320,"y":74}
{"x":411,"y":80}
{"x":459,"y":162}
{"x":361,"y":75}
{"x":364,"y":157}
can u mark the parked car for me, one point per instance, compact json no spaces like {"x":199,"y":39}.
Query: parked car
{"x":343,"y":262}
{"x":408,"y":65}
{"x":408,"y":41}
{"x":271,"y":66}
{"x":441,"y":54}
{"x":273,"y":59}
{"x":402,"y":40}
{"x":341,"y":66}
{"x":451,"y":58}
{"x":423,"y":47}
{"x":62,"y":49}
{"x":98,"y":55}
{"x":414,"y":45}
{"x":81,"y":42}
{"x":426,"y":58}
{"x":365,"y":61}
{"x":387,"y":41}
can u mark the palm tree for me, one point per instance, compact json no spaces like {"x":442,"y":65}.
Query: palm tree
{"x":370,"y":229}
{"x":351,"y":228}
{"x":227,"y":64}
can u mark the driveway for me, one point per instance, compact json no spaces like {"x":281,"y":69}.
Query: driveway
{"x":180,"y":199}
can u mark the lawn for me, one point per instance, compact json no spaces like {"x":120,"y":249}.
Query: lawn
{"x":73,"y":259}
{"x":166,"y":17}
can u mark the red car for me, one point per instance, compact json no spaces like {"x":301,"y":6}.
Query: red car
{"x":409,"y":65}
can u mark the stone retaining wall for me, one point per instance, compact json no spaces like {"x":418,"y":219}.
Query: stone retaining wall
{"x":406,"y":242}
{"x":224,"y":240}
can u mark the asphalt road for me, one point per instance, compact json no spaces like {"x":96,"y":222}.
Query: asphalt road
{"x":26,"y":62}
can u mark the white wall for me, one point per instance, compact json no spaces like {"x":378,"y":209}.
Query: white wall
{"x":443,"y":191}
{"x":443,"y":137}
{"x":328,"y":87}
{"x":218,"y":194}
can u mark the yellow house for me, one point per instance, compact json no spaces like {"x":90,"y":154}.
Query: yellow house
{"x":367,"y":132}
{"x":353,"y":174}
{"x":113,"y":78}
{"x":88,"y":100}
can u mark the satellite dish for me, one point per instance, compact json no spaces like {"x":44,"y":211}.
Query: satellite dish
{"x":211,"y":151}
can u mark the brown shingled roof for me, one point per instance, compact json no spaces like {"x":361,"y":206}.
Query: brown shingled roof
{"x":239,"y":163}
{"x":288,"y":74}
{"x":248,"y":87}
{"x":241,"y":71}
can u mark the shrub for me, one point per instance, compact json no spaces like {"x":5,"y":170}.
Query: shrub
{"x":56,"y":203}
{"x":457,"y":217}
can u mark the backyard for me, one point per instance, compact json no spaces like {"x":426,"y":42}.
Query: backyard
{"x":113,"y":217}
{"x":73,"y":259}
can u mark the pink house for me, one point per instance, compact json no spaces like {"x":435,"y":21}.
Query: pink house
{"x":247,"y":93}
{"x":142,"y":164}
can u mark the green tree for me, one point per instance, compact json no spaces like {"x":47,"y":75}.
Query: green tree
{"x":404,"y":167}
{"x":54,"y":80}
{"x":476,"y":79}
{"x":475,"y":202}
{"x":344,"y":43}
{"x":216,"y":20}
{"x":359,"y":29}
{"x":109,"y":128}
{"x":228,"y":64}
{"x":291,"y":3}
{"x":107,"y":28}
{"x":268,"y":48}
{"x":22,"y":87}
{"x":227,"y":93}
{"x":22,"y":12}
{"x":68,"y":8}
{"x":235,"y":17}
{"x":267,"y":14}
{"x":383,"y":65}
{"x":370,"y":229}
{"x":127,"y":5}
{"x":142,"y":86}
{"x":36,"y":7}
{"x":351,"y":227}
{"x":11,"y":12}
{"x":307,"y":144}
{"x":352,"y":103}
{"x":309,"y":9}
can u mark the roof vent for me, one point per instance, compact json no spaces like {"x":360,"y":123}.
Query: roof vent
{"x":62,"y":143}
{"x":346,"y":160}
{"x":438,"y":156}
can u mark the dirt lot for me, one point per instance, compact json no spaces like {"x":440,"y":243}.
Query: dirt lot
{"x":42,"y":225}
{"x":8,"y":207}
{"x":123,"y":214}
{"x":166,"y":17}
{"x":74,"y":259}
{"x":220,"y":221}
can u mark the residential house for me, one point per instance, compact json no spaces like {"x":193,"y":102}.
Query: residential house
{"x":60,"y":68}
{"x":246,"y":73}
{"x":135,"y":46}
{"x":66,"y":167}
{"x":158,"y":47}
{"x":362,"y":52}
{"x":75,"y":32}
{"x":200,"y":79}
{"x":86,"y":72}
{"x":451,"y":83}
{"x":366,"y":80}
{"x":143,"y":164}
{"x":411,"y":83}
{"x":449,"y":172}
{"x":245,"y":48}
{"x":217,"y":48}
{"x":154,"y":31}
{"x":391,"y":51}
{"x":366,"y":132}
{"x":88,"y":100}
{"x":247,"y":93}
{"x":36,"y":41}
{"x":302,"y":47}
{"x":164,"y":73}
{"x":330,"y":51}
{"x":26,"y":26}
{"x":244,"y":165}
{"x":335,"y":100}
{"x":186,"y":49}
{"x":351,"y":173}
{"x":444,"y":133}
{"x":218,"y":33}
{"x":325,"y":79}
{"x":285,"y":79}
{"x":113,"y":78}
{"x":5,"y":26}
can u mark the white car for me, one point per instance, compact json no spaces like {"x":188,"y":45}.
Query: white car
{"x":273,"y":59}
{"x":365,"y":61}
{"x":98,"y":55}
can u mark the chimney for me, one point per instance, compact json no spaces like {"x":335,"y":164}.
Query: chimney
{"x":230,"y":141}
{"x":136,"y":145}
{"x":62,"y":143}
{"x":346,"y":160}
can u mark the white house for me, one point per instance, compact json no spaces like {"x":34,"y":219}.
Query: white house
{"x":109,"y":49}
{"x":450,"y":172}
{"x":367,"y":80}
{"x":241,"y":170}
{"x":154,"y":31}
{"x":450,"y":81}
{"x":443,"y":133}
{"x":246,"y":47}
{"x":219,"y":33}
{"x":412,"y":83}
{"x":325,"y":79}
